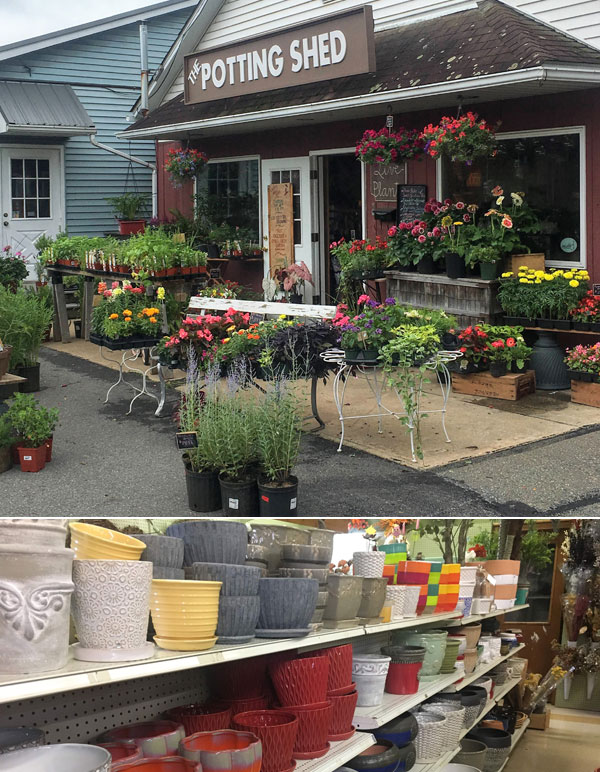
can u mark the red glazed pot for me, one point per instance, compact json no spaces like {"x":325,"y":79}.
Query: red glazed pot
{"x":313,"y":729}
{"x":123,"y":752}
{"x":236,"y":681}
{"x":155,"y":738}
{"x":341,"y":691}
{"x":277,"y":730}
{"x":402,"y":678}
{"x":342,"y":715}
{"x":243,"y":705}
{"x":200,"y":718}
{"x":340,"y":667}
{"x":301,"y":681}
{"x":32,"y":459}
{"x":224,"y":751}
{"x":166,"y":764}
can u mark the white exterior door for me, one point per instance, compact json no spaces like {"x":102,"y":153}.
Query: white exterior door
{"x":31,"y":196}
{"x":296,"y":171}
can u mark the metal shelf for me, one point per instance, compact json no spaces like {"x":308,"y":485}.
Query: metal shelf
{"x":483,"y":669}
{"x":339,"y":754}
{"x":480,"y":617}
{"x":515,"y":739}
{"x":428,"y":619}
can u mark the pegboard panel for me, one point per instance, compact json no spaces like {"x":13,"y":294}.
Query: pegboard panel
{"x":370,"y":644}
{"x":79,"y":716}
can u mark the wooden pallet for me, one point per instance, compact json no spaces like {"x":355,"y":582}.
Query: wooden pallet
{"x":585,"y":393}
{"x":512,"y":387}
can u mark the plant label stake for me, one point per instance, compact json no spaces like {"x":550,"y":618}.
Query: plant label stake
{"x":597,"y":290}
{"x":186,"y":440}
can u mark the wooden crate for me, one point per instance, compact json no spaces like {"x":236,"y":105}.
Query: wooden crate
{"x":536,"y":260}
{"x":9,"y":385}
{"x":540,"y":720}
{"x":585,"y":393}
{"x":513,"y":386}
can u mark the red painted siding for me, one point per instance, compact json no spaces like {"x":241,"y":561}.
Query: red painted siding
{"x":169,"y":197}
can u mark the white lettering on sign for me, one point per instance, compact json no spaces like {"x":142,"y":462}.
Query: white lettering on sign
{"x":303,"y":54}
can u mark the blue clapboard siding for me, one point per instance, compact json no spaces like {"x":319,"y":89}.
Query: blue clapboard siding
{"x":110,"y":59}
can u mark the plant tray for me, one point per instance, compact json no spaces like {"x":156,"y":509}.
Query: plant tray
{"x":585,"y":393}
{"x":512,"y":386}
{"x":119,"y":344}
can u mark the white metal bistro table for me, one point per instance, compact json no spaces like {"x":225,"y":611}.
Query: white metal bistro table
{"x":125,"y":364}
{"x":378,"y":384}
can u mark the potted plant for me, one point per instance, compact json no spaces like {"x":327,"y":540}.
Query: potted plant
{"x":293,"y":278}
{"x":487,"y":257}
{"x":472,"y":344}
{"x":33,"y":425}
{"x":184,"y":165}
{"x":461,"y":139}
{"x":498,"y":357}
{"x":12,"y":268}
{"x":7,"y":440}
{"x":127,"y":209}
{"x":278,"y":434}
{"x":536,"y":555}
{"x":386,"y":146}
{"x":586,"y":315}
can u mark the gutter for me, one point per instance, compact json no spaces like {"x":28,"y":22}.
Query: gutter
{"x":134,"y":160}
{"x":540,"y":75}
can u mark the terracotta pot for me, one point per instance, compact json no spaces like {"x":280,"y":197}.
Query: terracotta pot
{"x":471,"y":633}
{"x":502,"y":567}
{"x":223,"y":751}
{"x":163,"y":764}
{"x":129,"y":227}
{"x":32,"y":459}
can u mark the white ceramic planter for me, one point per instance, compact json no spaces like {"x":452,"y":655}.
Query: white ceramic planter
{"x":33,"y":531}
{"x":368,"y":564}
{"x":35,"y":602}
{"x":394,"y":597}
{"x":111,"y":604}
{"x":369,"y":672}
{"x":411,"y":601}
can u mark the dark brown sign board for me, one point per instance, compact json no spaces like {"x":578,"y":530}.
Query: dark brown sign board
{"x":411,"y":202}
{"x":186,"y":440}
{"x":281,"y":225}
{"x":597,"y":289}
{"x":385,"y":179}
{"x":334,"y":46}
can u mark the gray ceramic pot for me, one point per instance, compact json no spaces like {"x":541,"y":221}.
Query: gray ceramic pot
{"x":237,"y":580}
{"x":161,"y":550}
{"x":36,"y":531}
{"x":322,"y":598}
{"x":161,"y":572}
{"x":472,"y":753}
{"x":321,"y":537}
{"x":286,"y":604}
{"x":320,"y":574}
{"x":257,"y":552}
{"x":345,"y":596}
{"x":35,"y":603}
{"x":56,"y":758}
{"x":212,"y":541}
{"x":20,"y":737}
{"x":386,"y":760}
{"x":238,"y":617}
{"x":305,"y":553}
{"x":272,"y":537}
{"x":262,"y":567}
{"x":372,"y":597}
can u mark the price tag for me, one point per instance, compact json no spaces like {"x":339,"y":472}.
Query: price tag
{"x":186,"y":440}
{"x":361,"y":335}
{"x":597,"y":290}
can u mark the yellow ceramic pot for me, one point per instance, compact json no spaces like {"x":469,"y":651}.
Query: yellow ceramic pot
{"x":185,"y":610}
{"x":92,"y":542}
{"x":179,"y":644}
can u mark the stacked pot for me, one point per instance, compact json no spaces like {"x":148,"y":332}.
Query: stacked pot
{"x":449,"y":587}
{"x":308,"y":561}
{"x":344,"y":599}
{"x":36,"y":568}
{"x":341,"y":691}
{"x":165,"y":553}
{"x":287,"y":605}
{"x":468,"y":576}
{"x":402,"y":732}
{"x":403,"y":672}
{"x":373,"y":597}
{"x":434,"y":643}
{"x":470,"y":656}
{"x":416,"y":573}
{"x":384,"y":756}
{"x":433,"y":587}
{"x":506,"y":573}
{"x":498,"y":745}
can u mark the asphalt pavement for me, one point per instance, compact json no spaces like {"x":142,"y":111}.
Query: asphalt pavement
{"x":107,"y":464}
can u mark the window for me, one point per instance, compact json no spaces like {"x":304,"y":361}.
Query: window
{"x":228,"y":193}
{"x":293,"y":176}
{"x":30,"y":188}
{"x":548,"y":167}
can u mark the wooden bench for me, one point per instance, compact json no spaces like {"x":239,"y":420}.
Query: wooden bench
{"x":260,"y":308}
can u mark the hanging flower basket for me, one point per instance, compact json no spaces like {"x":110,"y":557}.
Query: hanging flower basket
{"x":461,"y":139}
{"x":387,"y":147}
{"x":184,"y":165}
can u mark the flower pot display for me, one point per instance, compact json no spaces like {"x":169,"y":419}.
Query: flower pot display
{"x":383,"y":756}
{"x":394,"y":553}
{"x":472,"y":633}
{"x":301,"y":681}
{"x":368,"y":564}
{"x":340,"y":666}
{"x":154,"y":738}
{"x":470,"y":660}
{"x":472,"y":753}
{"x":455,"y":718}
{"x":320,"y":574}
{"x":474,"y":695}
{"x":210,"y":541}
{"x":163,"y":764}
{"x":166,"y":551}
{"x":277,"y":731}
{"x":18,"y":738}
{"x":434,"y":642}
{"x":122,"y":753}
{"x":32,"y":459}
{"x":276,"y":499}
{"x":373,"y":596}
{"x":498,"y":745}
{"x":238,"y":617}
{"x":430,"y":741}
{"x":33,"y":531}
{"x":313,"y":728}
{"x":51,"y":758}
{"x":342,"y":714}
{"x":203,"y":491}
{"x":236,"y":580}
{"x":369,"y":671}
{"x":305,"y":555}
{"x":415,"y":572}
{"x":450,"y":655}
{"x":286,"y":607}
{"x":34,"y":607}
{"x":401,"y":730}
{"x":239,"y":498}
{"x":185,"y":613}
{"x":200,"y":718}
{"x":344,"y":599}
{"x":395,"y":597}
{"x":403,"y":678}
{"x":111,"y":603}
{"x":273,"y":537}
{"x":162,"y":572}
{"x":234,"y":680}
{"x":92,"y":542}
{"x":223,"y":751}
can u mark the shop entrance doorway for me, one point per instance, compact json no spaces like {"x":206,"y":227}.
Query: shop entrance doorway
{"x":339,"y":200}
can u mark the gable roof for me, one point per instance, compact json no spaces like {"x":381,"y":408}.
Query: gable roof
{"x":21,"y":47}
{"x":493,"y":44}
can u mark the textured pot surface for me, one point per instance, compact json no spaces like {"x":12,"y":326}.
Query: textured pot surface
{"x":372,"y":597}
{"x":33,"y":531}
{"x":345,"y":596}
{"x":224,"y":751}
{"x":286,"y":604}
{"x":237,"y":580}
{"x":369,"y":564}
{"x":155,"y":738}
{"x":272,"y":537}
{"x":162,"y":550}
{"x":210,"y":541}
{"x":238,"y":616}
{"x":35,"y":602}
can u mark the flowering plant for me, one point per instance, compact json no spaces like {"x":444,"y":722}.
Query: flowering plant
{"x":461,"y":139}
{"x":513,"y":348}
{"x":123,"y":313}
{"x":584,"y":359}
{"x":386,"y":146}
{"x":360,"y":255}
{"x":473,"y":345}
{"x":542,"y":294}
{"x":227,"y":289}
{"x":294,"y":275}
{"x":202,"y":333}
{"x":184,"y":164}
{"x":588,"y":309}
{"x":12,"y":267}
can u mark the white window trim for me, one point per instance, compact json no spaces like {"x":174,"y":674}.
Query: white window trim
{"x":580,"y":130}
{"x":233,"y":159}
{"x":363,"y":179}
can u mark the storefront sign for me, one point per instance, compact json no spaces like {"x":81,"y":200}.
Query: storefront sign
{"x":411,"y":202}
{"x":281,"y":225}
{"x":333,"y":47}
{"x":385,"y":179}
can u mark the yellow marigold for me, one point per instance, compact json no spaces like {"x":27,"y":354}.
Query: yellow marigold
{"x":539,"y":274}
{"x":153,"y":319}
{"x":538,"y":281}
{"x":548,"y":277}
{"x":231,"y":329}
{"x":523,"y":281}
{"x":573,"y":283}
{"x":521,"y":274}
{"x":569,"y":275}
{"x":282,"y":316}
{"x":127,"y":312}
{"x":114,"y":316}
{"x":523,"y":268}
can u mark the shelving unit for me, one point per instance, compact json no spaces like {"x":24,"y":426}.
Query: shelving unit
{"x":515,"y":739}
{"x":480,"y":617}
{"x":338,"y":755}
{"x":485,"y":668}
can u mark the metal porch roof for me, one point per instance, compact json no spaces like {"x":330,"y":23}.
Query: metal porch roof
{"x":42,"y":108}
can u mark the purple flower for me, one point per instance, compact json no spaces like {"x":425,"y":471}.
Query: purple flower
{"x":390,"y":301}
{"x":372,"y":303}
{"x":379,"y":331}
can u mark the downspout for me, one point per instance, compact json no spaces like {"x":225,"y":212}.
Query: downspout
{"x":144,"y":68}
{"x":134,"y":160}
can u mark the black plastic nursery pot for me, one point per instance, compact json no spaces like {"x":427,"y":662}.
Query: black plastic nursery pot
{"x":581,"y":326}
{"x":203,"y":490}
{"x":239,"y":499}
{"x":489,"y":271}
{"x":32,"y":373}
{"x":497,"y":369}
{"x":455,"y":266}
{"x":276,"y":500}
{"x":425,"y":265}
{"x":361,"y":355}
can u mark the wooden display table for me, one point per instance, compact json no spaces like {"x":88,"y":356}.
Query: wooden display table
{"x":9,"y":384}
{"x":512,"y":386}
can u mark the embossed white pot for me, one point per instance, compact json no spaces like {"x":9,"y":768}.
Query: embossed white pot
{"x":369,"y":672}
{"x":35,"y":602}
{"x":111,"y":605}
{"x":33,"y":531}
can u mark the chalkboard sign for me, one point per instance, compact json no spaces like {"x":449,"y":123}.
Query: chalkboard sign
{"x":411,"y":202}
{"x":385,"y":179}
{"x":186,"y":440}
{"x":256,"y":318}
{"x":597,"y":290}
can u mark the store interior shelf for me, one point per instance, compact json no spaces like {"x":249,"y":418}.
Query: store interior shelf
{"x":485,"y":668}
{"x":515,"y":739}
{"x":394,"y":705}
{"x":428,"y":619}
{"x":338,"y":755}
{"x":480,"y":617}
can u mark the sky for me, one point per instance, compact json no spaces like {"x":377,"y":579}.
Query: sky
{"x":22,"y":19}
